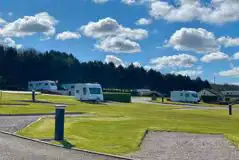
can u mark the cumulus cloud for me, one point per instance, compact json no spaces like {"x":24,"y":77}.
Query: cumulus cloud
{"x":67,"y":35}
{"x":192,"y":39}
{"x":136,"y":64}
{"x":216,"y":11}
{"x":180,"y":60}
{"x":115,"y":60}
{"x":100,"y":1}
{"x":9,"y":42}
{"x":2,"y":22}
{"x":235,"y":56}
{"x":110,"y":27}
{"x":234,"y":72}
{"x":214,"y":56}
{"x":29,"y":25}
{"x":228,"y":41}
{"x":143,"y":21}
{"x":118,"y":45}
{"x":191,"y":72}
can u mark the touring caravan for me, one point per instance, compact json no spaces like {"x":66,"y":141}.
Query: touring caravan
{"x":184,"y":96}
{"x":89,"y":92}
{"x":42,"y":85}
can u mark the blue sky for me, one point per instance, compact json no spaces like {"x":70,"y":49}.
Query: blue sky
{"x":188,"y":37}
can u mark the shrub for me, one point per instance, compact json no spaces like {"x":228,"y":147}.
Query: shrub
{"x":117,"y":97}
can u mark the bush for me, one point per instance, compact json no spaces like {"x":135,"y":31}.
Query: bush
{"x":209,"y":99}
{"x":117,"y":97}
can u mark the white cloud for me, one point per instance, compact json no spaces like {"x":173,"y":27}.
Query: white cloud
{"x":216,"y":11}
{"x":29,"y":25}
{"x":67,"y":35}
{"x":136,"y":64}
{"x":115,"y":60}
{"x":2,"y":22}
{"x":234,"y":72}
{"x":193,"y":73}
{"x":236,"y":56}
{"x":214,"y":56}
{"x":180,"y":60}
{"x":192,"y":39}
{"x":10,"y":13}
{"x":110,"y":27}
{"x":143,"y":21}
{"x":10,"y":43}
{"x":228,"y":41}
{"x":100,"y":1}
{"x":118,"y":45}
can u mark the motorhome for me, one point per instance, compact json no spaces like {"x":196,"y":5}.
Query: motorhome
{"x":42,"y":85}
{"x":184,"y":96}
{"x":89,"y":92}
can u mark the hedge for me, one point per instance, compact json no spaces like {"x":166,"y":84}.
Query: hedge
{"x":209,"y":98}
{"x":117,"y":97}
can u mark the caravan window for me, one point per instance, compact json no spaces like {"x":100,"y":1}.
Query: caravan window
{"x":84,"y":91}
{"x":46,"y":84}
{"x":181,"y":94}
{"x":77,"y":91}
{"x":194,"y":95}
{"x":53,"y":84}
{"x":186,"y":95}
{"x":95,"y":90}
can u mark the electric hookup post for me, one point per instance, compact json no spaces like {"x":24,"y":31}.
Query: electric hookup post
{"x":33,"y":96}
{"x":59,"y":122}
{"x":230,"y":109}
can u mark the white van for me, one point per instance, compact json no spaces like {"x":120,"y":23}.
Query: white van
{"x":184,"y":96}
{"x":89,"y":92}
{"x":42,"y":85}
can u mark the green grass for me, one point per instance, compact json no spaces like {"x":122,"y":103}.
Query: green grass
{"x":118,"y":129}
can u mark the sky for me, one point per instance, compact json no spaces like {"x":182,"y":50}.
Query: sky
{"x":187,"y":37}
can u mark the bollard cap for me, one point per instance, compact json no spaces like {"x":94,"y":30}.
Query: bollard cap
{"x":60,"y":106}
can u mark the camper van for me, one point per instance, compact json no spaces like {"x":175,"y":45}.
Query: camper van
{"x":185,"y":96}
{"x":89,"y":92}
{"x":42,"y":85}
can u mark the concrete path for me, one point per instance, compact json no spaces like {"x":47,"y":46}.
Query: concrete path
{"x":185,"y":146}
{"x":15,"y":123}
{"x":147,"y":100}
{"x":14,"y":148}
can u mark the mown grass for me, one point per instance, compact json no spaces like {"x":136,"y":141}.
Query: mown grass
{"x":119,"y":128}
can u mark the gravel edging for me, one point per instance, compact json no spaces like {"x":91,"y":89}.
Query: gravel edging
{"x":186,"y":146}
{"x":74,"y":149}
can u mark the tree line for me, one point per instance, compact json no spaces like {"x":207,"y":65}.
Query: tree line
{"x":17,"y":67}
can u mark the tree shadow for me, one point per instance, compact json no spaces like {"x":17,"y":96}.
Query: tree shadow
{"x":66,"y":144}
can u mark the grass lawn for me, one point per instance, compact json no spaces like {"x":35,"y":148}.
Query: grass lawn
{"x":118,"y":129}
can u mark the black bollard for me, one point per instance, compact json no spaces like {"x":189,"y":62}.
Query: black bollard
{"x":162,"y":99}
{"x":59,"y":122}
{"x":230,"y":109}
{"x":33,"y":96}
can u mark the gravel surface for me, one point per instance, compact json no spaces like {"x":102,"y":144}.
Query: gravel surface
{"x":14,"y":123}
{"x":185,"y":146}
{"x":14,"y":148}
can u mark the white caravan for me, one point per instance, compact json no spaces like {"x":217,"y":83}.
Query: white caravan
{"x":89,"y":92}
{"x":184,"y":96}
{"x":42,"y":85}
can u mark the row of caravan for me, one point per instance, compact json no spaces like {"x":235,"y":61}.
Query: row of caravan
{"x":81,"y":91}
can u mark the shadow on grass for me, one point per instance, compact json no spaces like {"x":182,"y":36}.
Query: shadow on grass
{"x":66,"y":144}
